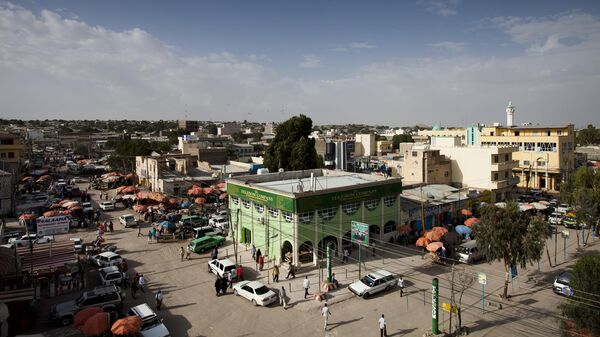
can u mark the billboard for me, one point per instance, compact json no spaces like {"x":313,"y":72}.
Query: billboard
{"x":360,"y":233}
{"x":53,"y":225}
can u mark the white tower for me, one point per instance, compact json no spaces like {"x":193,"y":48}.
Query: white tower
{"x":510,"y":111}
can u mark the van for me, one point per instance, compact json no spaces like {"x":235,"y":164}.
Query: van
{"x":206,"y":243}
{"x":193,"y":220}
{"x":468,"y":252}
{"x":200,"y":232}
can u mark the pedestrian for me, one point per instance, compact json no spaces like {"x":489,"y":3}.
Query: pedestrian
{"x":218,"y":285}
{"x":124,"y":279}
{"x":159,"y":298}
{"x":258,"y":254}
{"x":275,"y":273}
{"x":346,"y":255}
{"x":110,"y":226}
{"x":326,"y":313}
{"x":142,"y":282}
{"x":188,"y":252}
{"x":382,"y":329}
{"x":181,"y":252}
{"x":261,"y":263}
{"x":306,"y":285}
{"x":149,"y":236}
{"x":230,"y":279}
{"x":334,"y":281}
{"x":282,"y":297}
{"x":154,"y":233}
{"x":134,"y":288}
{"x":401,"y":285}
{"x":253,"y":251}
{"x":124,"y":266}
{"x":224,"y":285}
{"x":291,"y":271}
{"x":240,"y":273}
{"x":214,"y":254}
{"x":139,"y":230}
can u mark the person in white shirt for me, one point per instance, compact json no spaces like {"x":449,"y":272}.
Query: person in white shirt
{"x":306,"y":285}
{"x":382,"y":330}
{"x":159,"y":298}
{"x":401,"y":285}
{"x":326,"y":313}
{"x":142,"y":282}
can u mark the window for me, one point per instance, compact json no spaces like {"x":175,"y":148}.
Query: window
{"x":287,"y":216}
{"x":540,"y":163}
{"x":547,"y":147}
{"x":235,"y":200}
{"x":528,"y":146}
{"x":305,"y":217}
{"x":389,"y":201}
{"x":506,"y":174}
{"x":495,"y":159}
{"x":506,"y":157}
{"x":350,"y":209}
{"x":548,"y":133}
{"x":446,"y":174}
{"x":11,"y":155}
{"x":7,"y":141}
{"x":491,"y":133}
{"x":2,"y":154}
{"x":526,"y":163}
{"x":371,"y":204}
{"x":517,"y":133}
{"x":327,"y":213}
{"x":559,"y":132}
{"x":495,"y":176}
{"x":246,"y":204}
{"x":273,"y":212}
{"x":259,"y":208}
{"x":389,"y":227}
{"x":414,"y":153}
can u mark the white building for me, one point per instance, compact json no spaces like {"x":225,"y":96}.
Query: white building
{"x":365,"y":145}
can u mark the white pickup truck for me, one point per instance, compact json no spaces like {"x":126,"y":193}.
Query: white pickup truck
{"x":26,"y":239}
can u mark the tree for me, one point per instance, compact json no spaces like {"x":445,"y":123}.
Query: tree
{"x":397,"y":139}
{"x":81,"y":150}
{"x":238,"y":137}
{"x":291,"y":149}
{"x":588,"y":136}
{"x":511,"y":236}
{"x":584,"y":307}
{"x":211,"y":128}
{"x":582,"y":190}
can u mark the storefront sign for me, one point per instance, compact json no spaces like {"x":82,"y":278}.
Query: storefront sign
{"x":53,"y":225}
{"x":261,"y":197}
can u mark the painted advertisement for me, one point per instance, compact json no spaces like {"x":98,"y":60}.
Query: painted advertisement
{"x":334,"y":199}
{"x":360,"y":233}
{"x":53,"y":225}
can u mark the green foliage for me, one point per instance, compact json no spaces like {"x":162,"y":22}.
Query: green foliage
{"x":397,"y":139}
{"x":123,"y":159}
{"x":211,"y":128}
{"x":238,"y":137}
{"x":291,"y":148}
{"x":584,"y":308}
{"x":509,"y":235}
{"x":582,"y":190}
{"x":588,"y":136}
{"x":81,"y":150}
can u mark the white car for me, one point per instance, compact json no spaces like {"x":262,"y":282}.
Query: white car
{"x":152,"y":325}
{"x":87,"y":207}
{"x":106,"y":259}
{"x":222,"y":267}
{"x":79,"y":180}
{"x":220,"y":213}
{"x":563,"y":208}
{"x":562,"y":284}
{"x":556,"y":218}
{"x":255,"y":292}
{"x":77,"y":244}
{"x":110,"y":275}
{"x":107,"y":206}
{"x":373,"y":283}
{"x":218,"y":219}
{"x":127,"y":220}
{"x":26,"y":239}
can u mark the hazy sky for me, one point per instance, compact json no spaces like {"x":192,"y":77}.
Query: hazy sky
{"x":374,"y":62}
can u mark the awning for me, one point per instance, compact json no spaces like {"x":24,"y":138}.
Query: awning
{"x":16,"y":295}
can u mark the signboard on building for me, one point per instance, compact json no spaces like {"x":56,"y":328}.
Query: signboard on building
{"x":261,"y":197}
{"x":53,"y":225}
{"x":360,"y":233}
{"x":311,"y":203}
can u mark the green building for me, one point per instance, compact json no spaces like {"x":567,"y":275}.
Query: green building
{"x":296,"y":214}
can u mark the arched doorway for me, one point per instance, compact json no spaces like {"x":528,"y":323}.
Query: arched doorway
{"x":286,"y":251}
{"x":305,"y":252}
{"x":326,"y":241}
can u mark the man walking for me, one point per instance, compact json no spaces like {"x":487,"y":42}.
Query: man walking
{"x":282,"y":298}
{"x":253,"y":251}
{"x":291,"y":271}
{"x":230,"y":279}
{"x":306,"y":285}
{"x":142,"y":282}
{"x":325,"y":311}
{"x":159,"y":298}
{"x":401,"y":285}
{"x":181,"y":252}
{"x":275,"y":273}
{"x":346,"y":254}
{"x":382,"y":329}
{"x":214,"y":254}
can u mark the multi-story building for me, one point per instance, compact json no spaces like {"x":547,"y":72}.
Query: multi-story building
{"x":437,"y":131}
{"x":424,"y":165}
{"x":227,"y":129}
{"x":187,"y":125}
{"x":242,"y":150}
{"x":337,"y":154}
{"x":6,"y":193}
{"x":295,"y":215}
{"x":384,"y":147}
{"x":365,"y":145}
{"x":170,"y":174}
{"x":11,"y":152}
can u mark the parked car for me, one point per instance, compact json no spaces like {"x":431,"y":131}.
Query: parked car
{"x":219,"y":222}
{"x":206,"y":243}
{"x":87,"y":207}
{"x":108,"y":298}
{"x":220,"y":213}
{"x":222,"y":267}
{"x":106,"y":259}
{"x":128,"y":220}
{"x":79,"y":180}
{"x":107,"y":205}
{"x":255,"y":292}
{"x":193,"y":220}
{"x":110,"y":275}
{"x":563,"y":208}
{"x":570,"y":221}
{"x":468,"y":252}
{"x":562,"y":284}
{"x":27,"y":239}
{"x":152,"y":324}
{"x":200,"y":232}
{"x":556,"y":218}
{"x":373,"y":283}
{"x":77,"y":244}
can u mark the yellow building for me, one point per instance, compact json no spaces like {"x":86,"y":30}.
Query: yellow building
{"x":11,"y":153}
{"x":546,"y":154}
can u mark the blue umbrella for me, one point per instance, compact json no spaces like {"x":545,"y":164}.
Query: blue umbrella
{"x":167,"y":224}
{"x":463,"y":230}
{"x":186,"y":204}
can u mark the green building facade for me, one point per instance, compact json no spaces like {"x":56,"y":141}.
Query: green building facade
{"x":295,"y":215}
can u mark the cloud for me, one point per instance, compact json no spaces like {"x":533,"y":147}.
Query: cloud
{"x":310,"y":61}
{"x":353,"y":46}
{"x":440,"y":7}
{"x":449,"y":46}
{"x":259,"y":58}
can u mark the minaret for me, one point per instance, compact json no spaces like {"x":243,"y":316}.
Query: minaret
{"x":510,"y":110}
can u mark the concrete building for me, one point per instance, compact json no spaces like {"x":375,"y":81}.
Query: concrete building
{"x":437,"y":131}
{"x":7,"y":202}
{"x":365,"y":145}
{"x":170,"y":174}
{"x":295,"y":215}
{"x":190,"y":126}
{"x":11,"y":153}
{"x":270,"y":128}
{"x":337,"y":154}
{"x":242,"y":150}
{"x":384,"y":147}
{"x":227,"y":129}
{"x":424,"y":165}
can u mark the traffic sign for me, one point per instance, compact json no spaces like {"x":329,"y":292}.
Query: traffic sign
{"x":482,"y":278}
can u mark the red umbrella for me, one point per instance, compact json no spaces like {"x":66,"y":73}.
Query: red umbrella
{"x":207,"y":190}
{"x":433,"y":235}
{"x":130,"y":190}
{"x":195,"y":190}
{"x":51,"y":214}
{"x":471,"y":221}
{"x":422,"y":242}
{"x":466,"y":212}
{"x":221,"y":185}
{"x":127,"y":326}
{"x":27,"y":217}
{"x":139,"y":208}
{"x":25,"y":179}
{"x":441,"y":230}
{"x":55,"y":206}
{"x":96,"y":324}
{"x":200,"y":201}
{"x":434,"y":246}
{"x":120,"y":189}
{"x":85,"y":314}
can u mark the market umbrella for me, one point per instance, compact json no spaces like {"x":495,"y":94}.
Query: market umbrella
{"x":463,"y":230}
{"x":127,"y":326}
{"x":75,"y":208}
{"x":130,"y":190}
{"x":27,"y":217}
{"x":221,"y":185}
{"x":82,"y":162}
{"x":465,"y":212}
{"x":422,"y":242}
{"x":82,"y":316}
{"x":65,"y":212}
{"x":501,"y":204}
{"x":173,"y":201}
{"x":130,"y":176}
{"x":539,"y":206}
{"x":544,"y":202}
{"x":167,"y":224}
{"x":51,"y":213}
{"x":45,"y":177}
{"x":223,"y":196}
{"x":526,"y":207}
{"x":440,"y":229}
{"x":471,"y":221}
{"x":142,"y":195}
{"x":26,"y":179}
{"x":120,"y":189}
{"x":433,"y":235}
{"x":139,"y":208}
{"x":53,"y":206}
{"x":111,"y":179}
{"x":64,"y":201}
{"x":186,"y":204}
{"x":434,"y":246}
{"x":199,"y":201}
{"x":70,"y":204}
{"x":96,"y":325}
{"x":207,"y":190}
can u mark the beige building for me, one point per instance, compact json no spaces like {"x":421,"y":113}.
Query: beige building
{"x":384,"y":147}
{"x":365,"y":145}
{"x":545,"y":154}
{"x":11,"y":153}
{"x":170,"y":174}
{"x":461,"y":133}
{"x":424,"y":165}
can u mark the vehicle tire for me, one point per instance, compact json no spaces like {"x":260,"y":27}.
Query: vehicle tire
{"x":366,"y":295}
{"x":67,"y":320}
{"x":235,"y":292}
{"x":254,"y":303}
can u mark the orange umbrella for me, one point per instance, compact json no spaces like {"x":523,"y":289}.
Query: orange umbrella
{"x":51,"y":214}
{"x":27,"y":217}
{"x":422,"y":242}
{"x":433,"y":235}
{"x":199,"y":201}
{"x":26,"y":179}
{"x":221,"y":185}
{"x":126,"y":326}
{"x":64,"y":201}
{"x":83,"y":315}
{"x":207,"y":190}
{"x":130,"y":190}
{"x":434,"y":246}
{"x":195,"y":190}
{"x":45,"y":177}
{"x":441,"y":230}
{"x":96,"y":324}
{"x":173,"y":201}
{"x":466,"y":212}
{"x":223,"y":196}
{"x":471,"y":221}
{"x":120,"y":189}
{"x":139,"y":208}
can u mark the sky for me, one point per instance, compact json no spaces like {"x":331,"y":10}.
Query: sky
{"x":396,"y":63}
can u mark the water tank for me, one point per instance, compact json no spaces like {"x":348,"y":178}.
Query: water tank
{"x":262,"y":171}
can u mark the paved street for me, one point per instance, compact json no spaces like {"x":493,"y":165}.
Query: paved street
{"x":192,"y":309}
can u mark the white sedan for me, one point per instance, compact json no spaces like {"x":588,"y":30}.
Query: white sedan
{"x":255,"y":292}
{"x":107,"y":206}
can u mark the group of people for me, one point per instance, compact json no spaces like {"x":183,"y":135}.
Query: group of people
{"x":222,"y":283}
{"x":187,"y":252}
{"x":154,"y":234}
{"x":139,"y":281}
